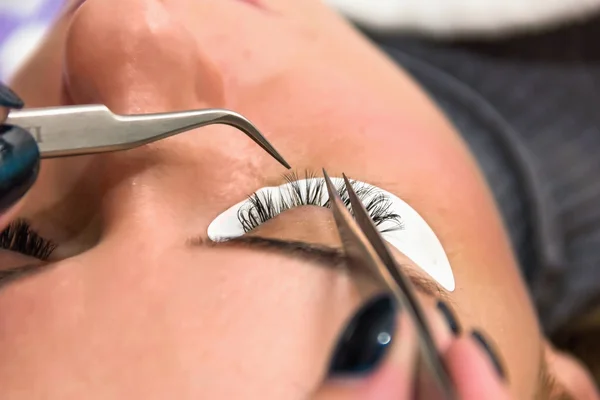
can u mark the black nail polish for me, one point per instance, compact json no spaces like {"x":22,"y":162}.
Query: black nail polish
{"x":8,"y":98}
{"x":480,"y":338}
{"x":19,"y":164}
{"x":450,"y":317}
{"x":366,"y":338}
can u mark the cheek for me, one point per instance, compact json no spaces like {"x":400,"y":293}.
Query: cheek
{"x":222,"y":327}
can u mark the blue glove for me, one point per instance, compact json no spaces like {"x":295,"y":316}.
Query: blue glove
{"x":19,"y":155}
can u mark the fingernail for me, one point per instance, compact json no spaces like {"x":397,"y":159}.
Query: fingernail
{"x":19,"y":164}
{"x":483,"y":342}
{"x":8,"y":98}
{"x":365,"y":339}
{"x":450,"y":317}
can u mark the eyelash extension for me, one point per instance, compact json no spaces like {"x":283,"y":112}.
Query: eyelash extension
{"x":263,"y":207}
{"x":20,"y":238}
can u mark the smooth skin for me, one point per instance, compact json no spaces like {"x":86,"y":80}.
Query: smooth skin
{"x":129,"y":309}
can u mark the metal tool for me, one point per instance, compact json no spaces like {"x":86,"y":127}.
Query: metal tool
{"x":368,"y":255}
{"x":88,"y":129}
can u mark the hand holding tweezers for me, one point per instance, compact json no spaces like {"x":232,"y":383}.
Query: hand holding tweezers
{"x":367,"y":253}
{"x":88,"y":129}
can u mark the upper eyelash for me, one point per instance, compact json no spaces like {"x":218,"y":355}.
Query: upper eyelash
{"x":262,"y":207}
{"x":20,"y":238}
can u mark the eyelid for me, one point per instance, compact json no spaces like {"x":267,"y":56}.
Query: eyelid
{"x":416,"y":240}
{"x":268,"y":202}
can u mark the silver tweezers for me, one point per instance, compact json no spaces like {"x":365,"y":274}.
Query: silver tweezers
{"x":368,"y":255}
{"x":88,"y":129}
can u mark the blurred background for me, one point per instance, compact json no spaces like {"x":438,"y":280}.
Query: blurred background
{"x":23,"y":24}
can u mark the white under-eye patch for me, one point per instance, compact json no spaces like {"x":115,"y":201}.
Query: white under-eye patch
{"x":398,"y":222}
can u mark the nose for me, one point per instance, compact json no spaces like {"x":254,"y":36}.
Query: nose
{"x":135,"y":57}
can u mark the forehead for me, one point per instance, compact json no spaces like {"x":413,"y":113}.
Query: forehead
{"x":264,"y":321}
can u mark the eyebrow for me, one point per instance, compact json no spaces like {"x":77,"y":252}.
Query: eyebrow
{"x":327,"y":256}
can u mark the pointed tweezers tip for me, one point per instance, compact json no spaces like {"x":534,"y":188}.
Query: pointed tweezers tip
{"x":135,"y":130}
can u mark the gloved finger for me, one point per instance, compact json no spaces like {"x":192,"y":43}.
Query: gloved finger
{"x":19,"y":159}
{"x":472,"y":363}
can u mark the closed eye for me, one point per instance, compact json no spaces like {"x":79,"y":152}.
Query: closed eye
{"x":398,"y":222}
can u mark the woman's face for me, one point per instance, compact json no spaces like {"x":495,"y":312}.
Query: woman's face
{"x":137,"y":302}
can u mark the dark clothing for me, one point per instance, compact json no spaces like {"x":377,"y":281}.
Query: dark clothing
{"x":529,"y":108}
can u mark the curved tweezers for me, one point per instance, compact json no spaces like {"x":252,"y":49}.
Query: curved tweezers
{"x":78,"y":130}
{"x":367,"y":253}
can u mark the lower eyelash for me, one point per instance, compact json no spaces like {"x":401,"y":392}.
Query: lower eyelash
{"x":20,"y":238}
{"x":263,"y":207}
